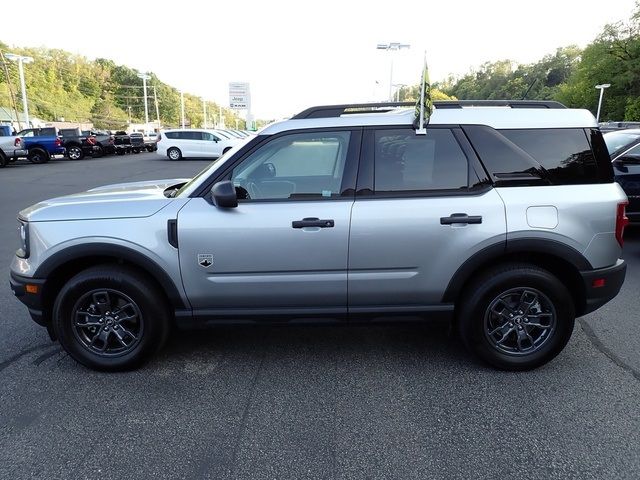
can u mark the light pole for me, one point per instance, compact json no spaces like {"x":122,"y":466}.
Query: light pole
{"x":182,"y":108}
{"x":602,"y":88}
{"x":392,"y":47}
{"x":398,"y":87}
{"x":21,"y":60}
{"x":204,"y":112}
{"x":144,"y":78}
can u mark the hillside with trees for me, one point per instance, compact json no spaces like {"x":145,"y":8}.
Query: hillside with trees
{"x":569,"y":75}
{"x":63,"y":85}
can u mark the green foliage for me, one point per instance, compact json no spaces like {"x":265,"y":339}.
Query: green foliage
{"x":569,"y":76}
{"x":63,"y":85}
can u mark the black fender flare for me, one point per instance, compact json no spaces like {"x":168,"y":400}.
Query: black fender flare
{"x":79,"y":252}
{"x":499,"y":251}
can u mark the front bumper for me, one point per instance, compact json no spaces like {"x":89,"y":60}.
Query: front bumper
{"x":33,"y":301}
{"x":602,"y":285}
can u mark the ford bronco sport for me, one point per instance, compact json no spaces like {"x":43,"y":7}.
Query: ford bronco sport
{"x":503,"y":217}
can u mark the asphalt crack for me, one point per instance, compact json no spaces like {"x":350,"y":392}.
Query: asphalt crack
{"x":602,"y":348}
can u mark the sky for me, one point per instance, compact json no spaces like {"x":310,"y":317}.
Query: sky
{"x":296,"y":54}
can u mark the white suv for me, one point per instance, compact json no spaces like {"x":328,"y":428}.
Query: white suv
{"x":193,"y":143}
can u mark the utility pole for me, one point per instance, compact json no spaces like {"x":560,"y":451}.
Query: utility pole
{"x":155,"y":99}
{"x":222,"y":125}
{"x":144,"y":78}
{"x":392,"y":47}
{"x":182,"y":107}
{"x":12,"y":96}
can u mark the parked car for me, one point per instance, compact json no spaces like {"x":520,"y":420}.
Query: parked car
{"x":137,"y":142}
{"x":77,"y":145}
{"x":624,"y":148}
{"x":506,"y":220}
{"x":194,"y":143}
{"x":41,"y":143}
{"x":122,"y":142}
{"x":104,"y":142}
{"x":151,"y":141}
{"x":10,"y":149}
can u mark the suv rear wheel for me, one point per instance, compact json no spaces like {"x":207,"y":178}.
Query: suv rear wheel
{"x":516,"y":316}
{"x":75,"y":152}
{"x":109,"y":318}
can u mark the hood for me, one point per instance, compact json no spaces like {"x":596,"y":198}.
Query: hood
{"x":121,"y":200}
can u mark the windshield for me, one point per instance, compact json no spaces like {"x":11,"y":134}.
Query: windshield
{"x":188,"y":187}
{"x":616,"y":140}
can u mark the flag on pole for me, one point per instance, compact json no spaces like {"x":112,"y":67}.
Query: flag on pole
{"x":424,"y":105}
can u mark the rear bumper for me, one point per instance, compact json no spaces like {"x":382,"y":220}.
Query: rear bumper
{"x":19,"y":152}
{"x":610,"y":280}
{"x":33,"y":301}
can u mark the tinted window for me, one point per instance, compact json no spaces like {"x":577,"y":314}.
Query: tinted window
{"x":564,"y":153}
{"x":302,"y":165}
{"x":171,"y":134}
{"x":506,"y":162}
{"x":190,"y":135}
{"x":405,"y":161}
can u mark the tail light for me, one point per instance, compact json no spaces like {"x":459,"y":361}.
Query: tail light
{"x":58,"y":142}
{"x":621,"y":221}
{"x":17,"y":142}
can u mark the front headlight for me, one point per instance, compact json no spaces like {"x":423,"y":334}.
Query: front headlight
{"x":23,"y":252}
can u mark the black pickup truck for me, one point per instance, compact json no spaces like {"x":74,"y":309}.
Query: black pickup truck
{"x":104,"y":142}
{"x":122,"y":142}
{"x":77,"y":144}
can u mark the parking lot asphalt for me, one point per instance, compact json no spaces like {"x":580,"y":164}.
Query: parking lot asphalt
{"x":350,"y":402}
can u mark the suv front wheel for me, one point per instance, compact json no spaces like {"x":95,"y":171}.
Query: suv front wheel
{"x":109,"y":318}
{"x":516,"y":316}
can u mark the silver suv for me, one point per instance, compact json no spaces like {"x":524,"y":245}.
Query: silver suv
{"x":504,"y":217}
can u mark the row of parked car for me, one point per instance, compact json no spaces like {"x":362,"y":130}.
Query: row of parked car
{"x":39,"y":145}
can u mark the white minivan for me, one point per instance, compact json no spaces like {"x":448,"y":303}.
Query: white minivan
{"x":193,"y":143}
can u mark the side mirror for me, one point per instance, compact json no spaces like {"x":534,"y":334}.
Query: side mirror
{"x":224,"y":195}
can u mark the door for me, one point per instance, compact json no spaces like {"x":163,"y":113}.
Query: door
{"x":419,"y":214}
{"x":211,"y":145}
{"x":283,"y":249}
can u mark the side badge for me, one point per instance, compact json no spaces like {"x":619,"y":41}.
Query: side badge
{"x":205,"y":260}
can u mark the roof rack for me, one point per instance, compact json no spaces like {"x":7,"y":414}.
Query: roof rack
{"x":327,"y":111}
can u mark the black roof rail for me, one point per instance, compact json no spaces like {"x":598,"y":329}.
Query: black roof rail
{"x":327,"y":111}
{"x":498,"y":103}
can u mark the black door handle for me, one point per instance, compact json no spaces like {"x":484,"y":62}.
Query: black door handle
{"x":460,"y":218}
{"x":312,"y":222}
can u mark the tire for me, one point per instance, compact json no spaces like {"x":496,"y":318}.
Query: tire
{"x":3,"y":160}
{"x":136,"y":150}
{"x":150,"y":149}
{"x":99,"y":298}
{"x":38,"y":155}
{"x":97,"y":152}
{"x":174,"y":153}
{"x":121,"y":151}
{"x":516,"y":316}
{"x":75,"y":153}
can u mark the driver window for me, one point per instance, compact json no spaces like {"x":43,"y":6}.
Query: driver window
{"x":295,"y":166}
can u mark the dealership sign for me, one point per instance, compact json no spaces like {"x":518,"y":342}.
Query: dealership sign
{"x":239,"y":96}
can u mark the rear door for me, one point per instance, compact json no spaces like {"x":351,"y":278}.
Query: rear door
{"x":420,"y":212}
{"x":211,"y":145}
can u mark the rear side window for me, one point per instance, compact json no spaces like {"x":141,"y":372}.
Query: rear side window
{"x":406,"y":162}
{"x":171,"y":134}
{"x":564,"y":153}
